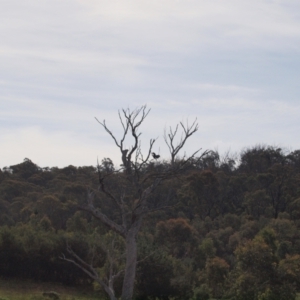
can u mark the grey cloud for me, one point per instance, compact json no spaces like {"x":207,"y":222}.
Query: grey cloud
{"x":233,"y":64}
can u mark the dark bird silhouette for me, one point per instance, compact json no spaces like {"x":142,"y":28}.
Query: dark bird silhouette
{"x":155,"y":156}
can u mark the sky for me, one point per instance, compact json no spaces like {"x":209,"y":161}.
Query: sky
{"x":234,"y":65}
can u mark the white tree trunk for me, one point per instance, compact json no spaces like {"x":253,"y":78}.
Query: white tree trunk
{"x":131,"y":261}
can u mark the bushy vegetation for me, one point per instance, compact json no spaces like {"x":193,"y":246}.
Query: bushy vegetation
{"x":229,"y":230}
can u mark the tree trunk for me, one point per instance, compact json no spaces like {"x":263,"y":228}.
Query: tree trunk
{"x":110,"y":293}
{"x":131,"y":262}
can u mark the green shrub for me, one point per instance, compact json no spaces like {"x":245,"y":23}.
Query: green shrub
{"x":201,"y":293}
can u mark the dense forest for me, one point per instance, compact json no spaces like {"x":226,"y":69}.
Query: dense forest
{"x":228,"y":227}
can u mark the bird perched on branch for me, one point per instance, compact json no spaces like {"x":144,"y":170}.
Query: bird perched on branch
{"x":155,"y":156}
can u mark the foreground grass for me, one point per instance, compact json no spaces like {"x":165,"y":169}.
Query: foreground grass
{"x":28,"y":290}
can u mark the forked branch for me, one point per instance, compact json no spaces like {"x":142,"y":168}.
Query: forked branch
{"x":92,"y":272}
{"x":170,"y":137}
{"x":90,"y":208}
{"x":131,"y":121}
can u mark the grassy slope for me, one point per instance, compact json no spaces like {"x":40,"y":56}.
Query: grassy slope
{"x":28,"y":290}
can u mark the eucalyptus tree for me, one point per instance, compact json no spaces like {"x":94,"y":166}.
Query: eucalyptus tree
{"x":132,"y":196}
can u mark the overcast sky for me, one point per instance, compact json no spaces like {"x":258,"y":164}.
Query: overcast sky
{"x":235,"y":65}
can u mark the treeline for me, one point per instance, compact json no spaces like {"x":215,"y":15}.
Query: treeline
{"x":226,"y":228}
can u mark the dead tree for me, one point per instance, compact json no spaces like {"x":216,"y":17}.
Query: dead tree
{"x":134,"y":206}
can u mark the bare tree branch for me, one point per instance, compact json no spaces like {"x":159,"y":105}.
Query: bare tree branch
{"x":169,"y":138}
{"x":101,"y":216}
{"x":109,"y":132}
{"x":134,"y":125}
{"x":91,"y":271}
{"x":101,"y":179}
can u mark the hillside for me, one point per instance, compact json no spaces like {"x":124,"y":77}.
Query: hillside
{"x":228,"y":227}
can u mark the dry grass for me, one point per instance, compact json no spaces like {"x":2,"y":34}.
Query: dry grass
{"x":29,"y":290}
